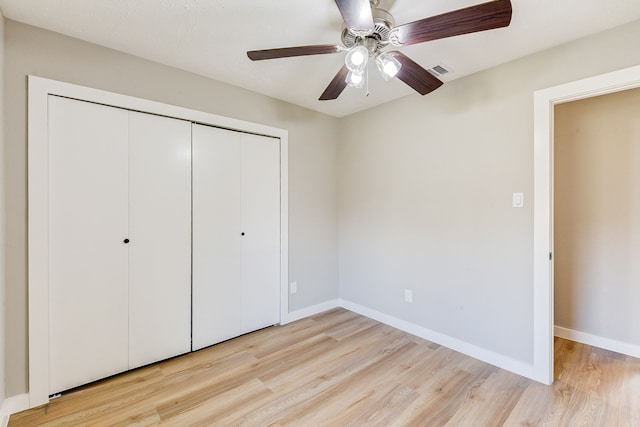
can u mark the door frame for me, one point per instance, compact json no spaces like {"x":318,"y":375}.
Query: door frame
{"x":543,"y":285}
{"x":39,"y":90}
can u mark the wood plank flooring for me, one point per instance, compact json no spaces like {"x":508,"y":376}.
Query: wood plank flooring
{"x":342,"y":369}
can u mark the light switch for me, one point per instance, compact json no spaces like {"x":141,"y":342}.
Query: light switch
{"x":518,"y":200}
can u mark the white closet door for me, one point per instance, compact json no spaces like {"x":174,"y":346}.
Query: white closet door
{"x":217,"y":295}
{"x":261,"y":227}
{"x":88,"y":259}
{"x":160,"y":238}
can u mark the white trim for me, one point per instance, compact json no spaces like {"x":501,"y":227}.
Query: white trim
{"x":284,"y":229}
{"x":471,"y":350}
{"x":12,"y":405}
{"x":312,"y":311}
{"x":542,"y":267}
{"x":38,"y":226}
{"x":38,"y":222}
{"x":621,"y":347}
{"x":544,"y":102}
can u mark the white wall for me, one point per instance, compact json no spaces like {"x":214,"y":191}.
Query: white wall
{"x":312,"y":159}
{"x":597,"y":216}
{"x":425,"y":197}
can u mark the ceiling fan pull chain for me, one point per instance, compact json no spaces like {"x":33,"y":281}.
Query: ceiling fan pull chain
{"x":367,"y":81}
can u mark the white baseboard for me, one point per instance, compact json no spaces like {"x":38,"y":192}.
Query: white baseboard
{"x":310,"y":311}
{"x":598,"y":341}
{"x":490,"y":357}
{"x":11,"y":405}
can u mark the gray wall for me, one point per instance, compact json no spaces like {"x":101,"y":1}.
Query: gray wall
{"x":2,"y":219}
{"x":425,"y":188}
{"x":597,"y":216}
{"x":312,"y":160}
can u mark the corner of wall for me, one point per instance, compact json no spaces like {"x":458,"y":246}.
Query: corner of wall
{"x":11,"y":406}
{"x":488,"y":356}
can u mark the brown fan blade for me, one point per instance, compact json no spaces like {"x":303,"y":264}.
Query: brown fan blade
{"x":357,"y":14}
{"x":415,"y":76}
{"x":481,"y":17}
{"x":336,"y":86}
{"x":287,"y":52}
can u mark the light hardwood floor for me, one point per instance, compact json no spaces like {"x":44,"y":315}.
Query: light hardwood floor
{"x":342,"y":369}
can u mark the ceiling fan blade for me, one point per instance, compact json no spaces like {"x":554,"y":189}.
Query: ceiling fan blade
{"x":415,"y":76}
{"x":287,"y":52}
{"x":336,"y":86}
{"x":357,"y":14}
{"x":481,"y":17}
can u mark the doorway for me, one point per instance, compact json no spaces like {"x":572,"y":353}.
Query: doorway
{"x":545,"y":101}
{"x":597,"y":221}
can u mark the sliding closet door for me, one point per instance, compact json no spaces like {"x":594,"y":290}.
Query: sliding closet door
{"x":88,"y":259}
{"x":260,"y":189}
{"x":160,"y":238}
{"x":217,"y":294}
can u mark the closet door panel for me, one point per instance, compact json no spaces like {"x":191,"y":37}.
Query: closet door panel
{"x":88,"y":260}
{"x":160,"y":238}
{"x":217,"y":295}
{"x":260,"y":210}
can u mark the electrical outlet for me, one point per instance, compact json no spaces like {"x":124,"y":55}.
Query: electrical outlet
{"x":294,"y":287}
{"x":408,"y":295}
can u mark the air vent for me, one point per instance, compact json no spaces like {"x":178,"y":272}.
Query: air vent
{"x":439,"y":70}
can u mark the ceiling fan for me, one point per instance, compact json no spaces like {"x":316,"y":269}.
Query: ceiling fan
{"x":369,"y":30}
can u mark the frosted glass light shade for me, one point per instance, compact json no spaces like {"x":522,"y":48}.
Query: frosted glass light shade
{"x":388,"y":65}
{"x":355,"y":79}
{"x":356,"y":59}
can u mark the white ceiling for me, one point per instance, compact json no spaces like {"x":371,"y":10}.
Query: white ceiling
{"x":210,"y":38}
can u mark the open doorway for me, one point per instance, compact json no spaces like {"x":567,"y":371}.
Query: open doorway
{"x":596,"y":221}
{"x":545,"y":101}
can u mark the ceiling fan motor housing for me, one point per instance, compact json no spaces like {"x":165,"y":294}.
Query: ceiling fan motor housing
{"x":376,"y":40}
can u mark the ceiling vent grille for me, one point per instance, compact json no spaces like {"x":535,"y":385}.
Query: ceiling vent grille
{"x":439,"y":70}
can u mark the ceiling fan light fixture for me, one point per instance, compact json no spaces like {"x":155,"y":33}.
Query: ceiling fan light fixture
{"x":388,"y":65}
{"x":368,"y":30}
{"x":355,"y":79}
{"x":356,"y":59}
